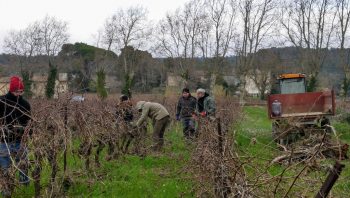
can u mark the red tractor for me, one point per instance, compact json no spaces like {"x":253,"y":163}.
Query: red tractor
{"x":297,"y":113}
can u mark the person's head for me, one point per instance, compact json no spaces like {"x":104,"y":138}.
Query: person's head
{"x":124,"y":98}
{"x":139,"y":105}
{"x":16,"y":86}
{"x":185,"y":92}
{"x":200,"y":93}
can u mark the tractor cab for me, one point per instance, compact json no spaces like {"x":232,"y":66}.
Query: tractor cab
{"x":291,"y":83}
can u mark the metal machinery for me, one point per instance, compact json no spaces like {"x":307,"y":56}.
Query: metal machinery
{"x":297,"y":113}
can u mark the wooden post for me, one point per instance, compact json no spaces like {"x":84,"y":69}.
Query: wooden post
{"x":220,"y":138}
{"x":65,"y":142}
{"x":331,"y":179}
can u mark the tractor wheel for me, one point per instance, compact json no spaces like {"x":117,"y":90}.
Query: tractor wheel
{"x":276,"y":132}
{"x":279,"y":135}
{"x":326,"y":124}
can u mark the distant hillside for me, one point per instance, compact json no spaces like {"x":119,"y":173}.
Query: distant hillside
{"x":84,"y":60}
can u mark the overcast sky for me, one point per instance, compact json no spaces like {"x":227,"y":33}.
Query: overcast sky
{"x":84,"y":17}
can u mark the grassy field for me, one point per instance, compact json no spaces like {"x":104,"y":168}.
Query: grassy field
{"x":164,"y":175}
{"x":156,"y":175}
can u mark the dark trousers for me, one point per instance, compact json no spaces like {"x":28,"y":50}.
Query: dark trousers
{"x":188,"y":127}
{"x":158,"y":132}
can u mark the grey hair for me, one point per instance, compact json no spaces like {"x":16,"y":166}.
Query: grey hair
{"x":200,"y":90}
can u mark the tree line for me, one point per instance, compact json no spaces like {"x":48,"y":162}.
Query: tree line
{"x":207,"y":32}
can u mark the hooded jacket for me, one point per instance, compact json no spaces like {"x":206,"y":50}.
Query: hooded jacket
{"x":153,"y":110}
{"x":206,"y":104}
{"x":14,"y":112}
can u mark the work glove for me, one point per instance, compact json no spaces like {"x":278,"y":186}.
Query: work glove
{"x":203,"y":114}
{"x":177,"y":117}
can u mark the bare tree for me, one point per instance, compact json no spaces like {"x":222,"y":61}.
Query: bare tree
{"x":41,"y":37}
{"x":343,"y":16}
{"x":222,"y":14}
{"x":178,"y":35}
{"x":127,"y":28}
{"x":264,"y":64}
{"x":109,"y":33}
{"x":309,"y":26}
{"x":53,"y":35}
{"x":24,"y":44}
{"x":170,"y":41}
{"x":204,"y":37}
{"x":257,"y":18}
{"x":193,"y":21}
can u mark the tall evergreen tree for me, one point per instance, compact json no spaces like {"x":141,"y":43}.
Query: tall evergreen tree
{"x":27,"y":84}
{"x":51,"y":80}
{"x":101,"y":82}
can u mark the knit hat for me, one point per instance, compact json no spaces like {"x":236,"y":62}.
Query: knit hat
{"x":185,"y":90}
{"x":16,"y":84}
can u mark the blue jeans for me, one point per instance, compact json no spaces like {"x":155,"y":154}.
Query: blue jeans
{"x":19,"y":156}
{"x":189,"y":127}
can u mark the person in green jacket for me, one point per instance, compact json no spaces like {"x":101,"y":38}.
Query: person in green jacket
{"x":205,"y":104}
{"x":160,"y":119}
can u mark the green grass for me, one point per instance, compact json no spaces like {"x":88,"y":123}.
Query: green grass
{"x":163,"y":175}
{"x":255,"y":125}
{"x":156,"y":175}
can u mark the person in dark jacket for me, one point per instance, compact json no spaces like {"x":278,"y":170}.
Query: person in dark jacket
{"x":186,"y":107}
{"x":206,"y":105}
{"x":14,"y":118}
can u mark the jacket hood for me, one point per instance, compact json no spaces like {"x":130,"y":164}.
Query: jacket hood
{"x":139,"y":104}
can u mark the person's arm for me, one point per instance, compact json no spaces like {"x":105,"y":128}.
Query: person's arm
{"x":194,"y":105}
{"x":211,"y":106}
{"x":2,"y":109}
{"x":179,"y":107}
{"x":145,"y":111}
{"x":196,"y":111}
{"x":26,"y":114}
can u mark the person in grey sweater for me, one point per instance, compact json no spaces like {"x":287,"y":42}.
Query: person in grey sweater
{"x":160,"y":119}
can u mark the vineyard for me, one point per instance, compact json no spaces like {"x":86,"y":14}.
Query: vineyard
{"x":80,"y":149}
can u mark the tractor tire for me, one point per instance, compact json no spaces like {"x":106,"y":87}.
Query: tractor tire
{"x":326,"y":125}
{"x":276,"y":132}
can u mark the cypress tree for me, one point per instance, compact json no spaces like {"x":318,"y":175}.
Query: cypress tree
{"x":51,"y":81}
{"x":27,"y":84}
{"x":101,"y":82}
